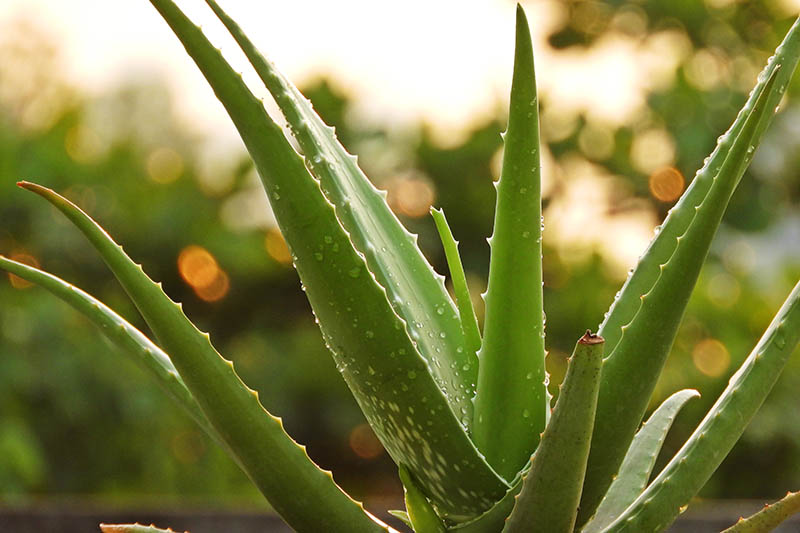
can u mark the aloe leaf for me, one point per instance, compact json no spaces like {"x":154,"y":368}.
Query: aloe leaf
{"x":420,"y":512}
{"x":652,"y":302}
{"x":493,"y":520}
{"x":769,"y":517}
{"x":133,"y":528}
{"x":702,"y":453}
{"x":466,"y":312}
{"x":511,"y":400}
{"x":415,"y":291}
{"x":133,"y":342}
{"x":638,"y":462}
{"x":551,"y":490}
{"x":401,"y":515}
{"x":392,"y":383}
{"x":278,"y":466}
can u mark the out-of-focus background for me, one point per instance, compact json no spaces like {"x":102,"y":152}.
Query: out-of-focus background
{"x":99,"y":101}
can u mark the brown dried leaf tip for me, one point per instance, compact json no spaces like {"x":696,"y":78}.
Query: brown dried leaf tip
{"x":590,"y":338}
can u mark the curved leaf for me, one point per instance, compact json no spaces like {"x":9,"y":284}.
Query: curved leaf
{"x":652,"y":301}
{"x":278,"y":466}
{"x":143,"y":351}
{"x":393,"y":384}
{"x":419,"y":510}
{"x":415,"y":291}
{"x":662,"y":501}
{"x":769,"y":517}
{"x":638,"y":462}
{"x":466,"y":312}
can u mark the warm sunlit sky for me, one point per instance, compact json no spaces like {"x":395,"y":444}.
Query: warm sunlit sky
{"x":446,"y":60}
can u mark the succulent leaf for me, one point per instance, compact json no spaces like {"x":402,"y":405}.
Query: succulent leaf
{"x":690,"y":468}
{"x":402,"y":516}
{"x":495,"y":518}
{"x":639,"y":461}
{"x":400,"y":396}
{"x":419,"y":510}
{"x":415,"y":291}
{"x":551,"y":490}
{"x":133,"y":342}
{"x":466,"y":311}
{"x":276,"y":464}
{"x":511,"y":402}
{"x":769,"y":517}
{"x":653,"y":299}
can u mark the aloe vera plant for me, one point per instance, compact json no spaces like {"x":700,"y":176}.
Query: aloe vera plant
{"x":464,"y":413}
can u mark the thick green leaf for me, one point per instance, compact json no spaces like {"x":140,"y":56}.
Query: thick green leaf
{"x":687,"y":472}
{"x":639,"y":462}
{"x":419,"y":510}
{"x":466,"y":311}
{"x":274,"y":462}
{"x":511,"y":403}
{"x":401,"y":398}
{"x":133,"y":342}
{"x":415,"y":291}
{"x":494,"y":519}
{"x":551,"y":490}
{"x":769,"y":517}
{"x":651,"y":304}
{"x":400,"y":515}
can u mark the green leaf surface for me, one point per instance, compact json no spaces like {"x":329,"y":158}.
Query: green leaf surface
{"x":415,"y":291}
{"x":466,"y":311}
{"x":551,"y":490}
{"x":400,"y":515}
{"x":133,"y":342}
{"x":652,"y":301}
{"x":511,"y":403}
{"x":370,"y":343}
{"x":770,"y":517}
{"x":494,"y":519}
{"x":690,"y":468}
{"x":639,"y":461}
{"x":278,"y":466}
{"x":420,"y":512}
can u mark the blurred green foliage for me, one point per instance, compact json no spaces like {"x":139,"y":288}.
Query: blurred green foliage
{"x":78,"y":419}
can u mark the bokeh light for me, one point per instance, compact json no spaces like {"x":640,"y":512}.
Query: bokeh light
{"x":83,"y":144}
{"x":411,"y":196}
{"x":276,"y":247}
{"x":711,"y":357}
{"x":164,"y":165}
{"x":201,"y":271}
{"x":364,"y":443}
{"x":666,"y":184}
